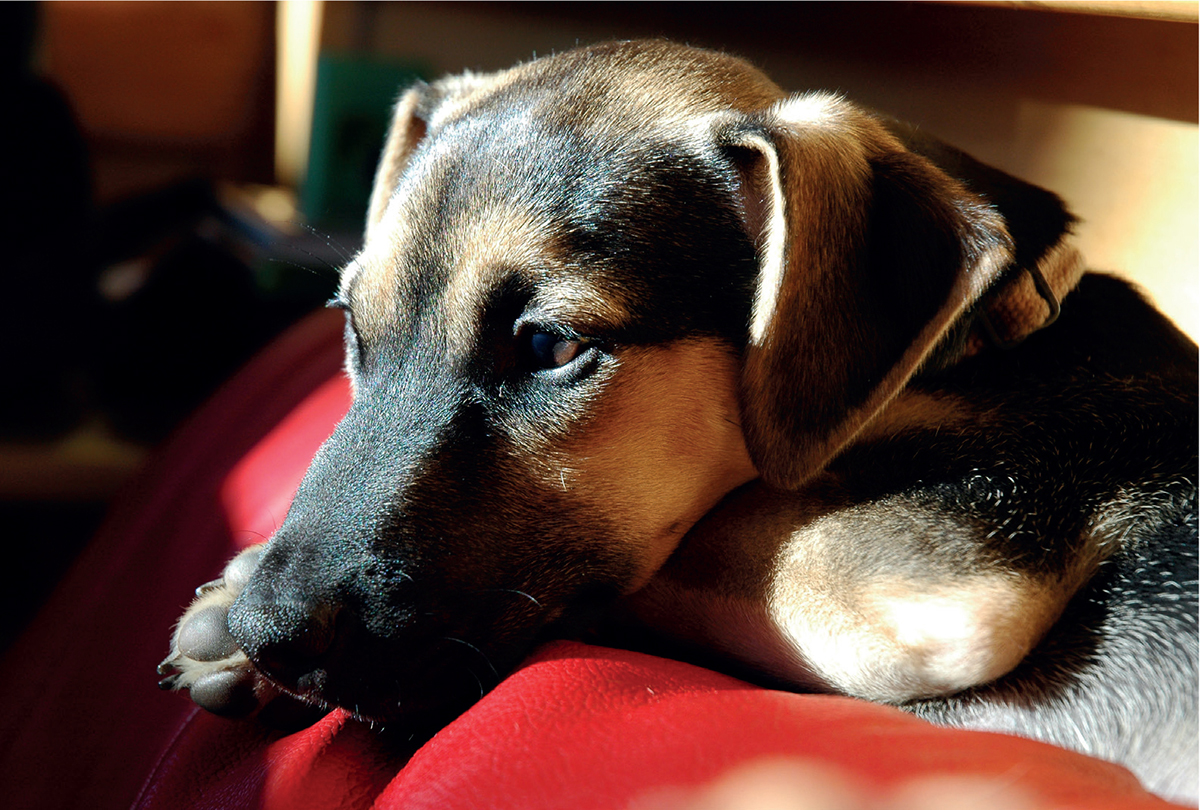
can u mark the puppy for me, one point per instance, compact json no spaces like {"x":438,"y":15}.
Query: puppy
{"x":768,"y":376}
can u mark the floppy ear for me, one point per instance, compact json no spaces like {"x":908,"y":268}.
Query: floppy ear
{"x":406,"y":131}
{"x":422,"y":108}
{"x":868,"y":254}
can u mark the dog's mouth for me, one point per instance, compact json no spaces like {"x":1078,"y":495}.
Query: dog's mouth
{"x":417,"y":677}
{"x":420,"y":680}
{"x":428,"y":699}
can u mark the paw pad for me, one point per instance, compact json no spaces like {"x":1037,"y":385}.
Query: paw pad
{"x":205,"y":635}
{"x":205,"y":658}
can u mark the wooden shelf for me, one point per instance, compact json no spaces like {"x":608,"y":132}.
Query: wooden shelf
{"x":1179,"y":10}
{"x":88,"y":464}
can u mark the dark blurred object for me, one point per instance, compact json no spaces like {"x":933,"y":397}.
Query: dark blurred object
{"x":165,"y":91}
{"x":205,"y":286}
{"x":53,"y":533}
{"x":121,"y":317}
{"x":136,"y":310}
{"x":45,"y":199}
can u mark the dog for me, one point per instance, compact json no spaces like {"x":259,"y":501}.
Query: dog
{"x":767,"y":378}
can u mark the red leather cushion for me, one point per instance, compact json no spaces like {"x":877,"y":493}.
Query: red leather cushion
{"x":587,"y":727}
{"x":576,"y":726}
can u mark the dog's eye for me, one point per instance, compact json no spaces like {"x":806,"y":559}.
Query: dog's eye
{"x":548,"y":350}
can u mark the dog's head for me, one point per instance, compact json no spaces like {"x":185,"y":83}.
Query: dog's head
{"x":598,"y":292}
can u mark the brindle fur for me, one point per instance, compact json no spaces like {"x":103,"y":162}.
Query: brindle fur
{"x":774,"y":444}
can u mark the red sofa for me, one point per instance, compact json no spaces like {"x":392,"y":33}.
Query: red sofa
{"x":576,"y":726}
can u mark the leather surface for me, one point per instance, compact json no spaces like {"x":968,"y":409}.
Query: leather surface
{"x":577,"y":726}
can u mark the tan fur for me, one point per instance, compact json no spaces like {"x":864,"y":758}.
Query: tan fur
{"x":894,"y":639}
{"x":459,"y":94}
{"x":813,"y":593}
{"x":370,"y":285}
{"x":493,"y":244}
{"x":662,"y":446}
{"x":648,"y":83}
{"x":406,"y":131}
{"x":918,"y":410}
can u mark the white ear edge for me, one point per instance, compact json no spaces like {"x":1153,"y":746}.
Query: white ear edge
{"x":773,"y":244}
{"x":817,"y":110}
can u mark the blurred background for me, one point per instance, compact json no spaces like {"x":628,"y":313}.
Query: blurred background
{"x":181,"y":181}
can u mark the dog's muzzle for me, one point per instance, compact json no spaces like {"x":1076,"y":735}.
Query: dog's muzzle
{"x":421,"y":652}
{"x":289,"y":641}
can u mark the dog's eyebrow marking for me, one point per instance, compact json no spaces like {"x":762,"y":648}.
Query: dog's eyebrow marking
{"x":369,"y":285}
{"x":492,"y":246}
{"x":371,"y":282}
{"x":522,"y":243}
{"x":585,"y":306}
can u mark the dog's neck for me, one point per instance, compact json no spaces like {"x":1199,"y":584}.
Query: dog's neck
{"x":1025,"y":301}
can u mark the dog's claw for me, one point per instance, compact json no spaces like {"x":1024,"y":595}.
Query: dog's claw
{"x":210,"y":586}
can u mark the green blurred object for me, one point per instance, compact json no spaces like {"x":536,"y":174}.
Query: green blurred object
{"x":352,"y":108}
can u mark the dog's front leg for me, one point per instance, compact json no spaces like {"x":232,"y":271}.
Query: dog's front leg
{"x":889,"y":600}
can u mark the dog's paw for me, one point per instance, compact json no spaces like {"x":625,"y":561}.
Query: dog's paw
{"x":205,"y":659}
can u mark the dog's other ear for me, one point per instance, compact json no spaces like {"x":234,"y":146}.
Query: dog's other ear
{"x":868,"y":254}
{"x":406,"y":131}
{"x":421,"y":110}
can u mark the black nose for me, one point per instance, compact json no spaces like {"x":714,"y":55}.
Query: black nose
{"x":288,"y":639}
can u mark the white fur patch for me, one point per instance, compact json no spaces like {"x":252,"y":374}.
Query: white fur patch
{"x":810,"y":109}
{"x":890,"y":639}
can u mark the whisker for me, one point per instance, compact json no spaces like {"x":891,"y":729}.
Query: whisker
{"x":478,"y":680}
{"x":334,"y":245}
{"x":528,"y":596}
{"x":325,"y":270}
{"x":478,"y":652}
